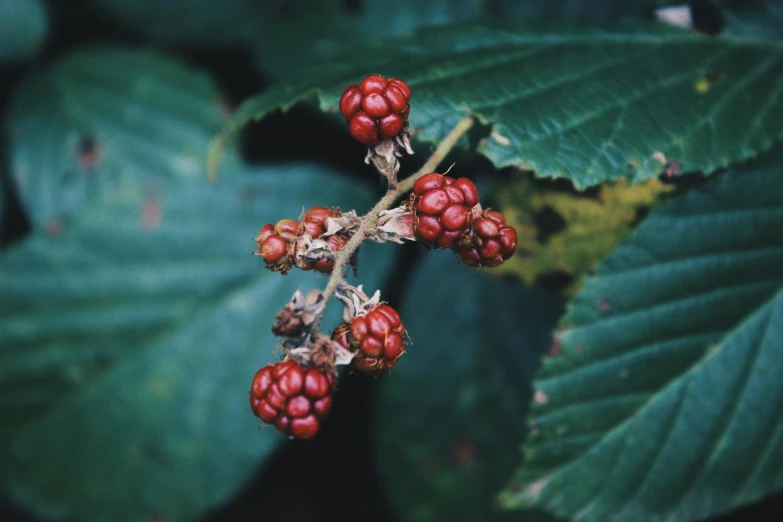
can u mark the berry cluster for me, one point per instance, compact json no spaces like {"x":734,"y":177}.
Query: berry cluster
{"x":274,"y":241}
{"x":376,"y":109}
{"x":447,"y":214}
{"x":376,"y":338}
{"x":293,"y":398}
{"x":490,"y":243}
{"x":277,"y":243}
{"x":444,"y":209}
{"x":295,"y":394}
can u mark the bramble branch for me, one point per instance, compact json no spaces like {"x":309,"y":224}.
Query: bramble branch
{"x":394,"y":193}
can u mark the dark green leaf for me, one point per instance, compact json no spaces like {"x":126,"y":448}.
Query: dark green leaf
{"x":23,"y":25}
{"x":452,"y":411}
{"x":391,"y":19}
{"x":325,"y":29}
{"x":130,"y":339}
{"x":3,"y":181}
{"x":596,"y":11}
{"x":572,"y":101}
{"x":203,"y":23}
{"x":762,"y":18}
{"x":663,"y":400}
{"x":103,"y":119}
{"x":130,"y":328}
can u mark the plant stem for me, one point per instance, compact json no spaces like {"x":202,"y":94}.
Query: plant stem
{"x":392,"y":195}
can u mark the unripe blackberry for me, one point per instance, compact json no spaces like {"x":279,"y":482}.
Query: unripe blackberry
{"x":377,"y":339}
{"x":292,"y":398}
{"x":443,"y":209}
{"x":378,"y":108}
{"x":491,"y":241}
{"x":314,"y":224}
{"x":274,"y":242}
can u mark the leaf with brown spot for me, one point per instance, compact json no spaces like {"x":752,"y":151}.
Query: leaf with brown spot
{"x":70,"y":132}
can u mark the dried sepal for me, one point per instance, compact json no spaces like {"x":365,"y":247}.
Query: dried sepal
{"x":300,"y":312}
{"x":383,"y":156}
{"x":342,"y":223}
{"x":316,"y":350}
{"x":355,"y":302}
{"x":394,"y":226}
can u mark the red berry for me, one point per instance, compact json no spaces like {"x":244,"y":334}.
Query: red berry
{"x":443,"y":208}
{"x":375,"y":105}
{"x":273,"y":249}
{"x":350,"y":101}
{"x":287,"y":229}
{"x":406,"y":90}
{"x":336,"y":243}
{"x":274,"y":241}
{"x":318,"y":214}
{"x":377,"y":339}
{"x":377,"y":108}
{"x":491,"y":241}
{"x":374,"y":83}
{"x":395,"y":97}
{"x":391,"y":125}
{"x":312,"y":229}
{"x":266,"y":231}
{"x":292,"y":398}
{"x":363,"y":128}
{"x":314,"y":224}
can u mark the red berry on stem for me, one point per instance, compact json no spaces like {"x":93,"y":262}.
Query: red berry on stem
{"x":377,"y":108}
{"x":375,"y":105}
{"x":373,"y":83}
{"x":377,"y":339}
{"x":273,"y":249}
{"x":266,"y":231}
{"x":287,"y":229}
{"x":318,"y":214}
{"x":443,"y":209}
{"x":395,"y":97}
{"x":350,"y":101}
{"x":392,"y":125}
{"x":363,"y":128}
{"x":492,"y":241}
{"x":428,"y":182}
{"x":292,"y":398}
{"x":406,"y":90}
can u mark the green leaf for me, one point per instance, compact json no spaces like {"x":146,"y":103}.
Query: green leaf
{"x":392,"y":19}
{"x":761,"y":18}
{"x":130,"y":339}
{"x":663,"y":399}
{"x":325,"y":29}
{"x":451,"y":413}
{"x":103,"y":119}
{"x":571,"y":101}
{"x":130,"y":328}
{"x":23,"y":26}
{"x":203,"y":23}
{"x":596,"y":11}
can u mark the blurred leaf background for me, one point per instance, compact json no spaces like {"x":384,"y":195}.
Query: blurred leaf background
{"x":133,"y":314}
